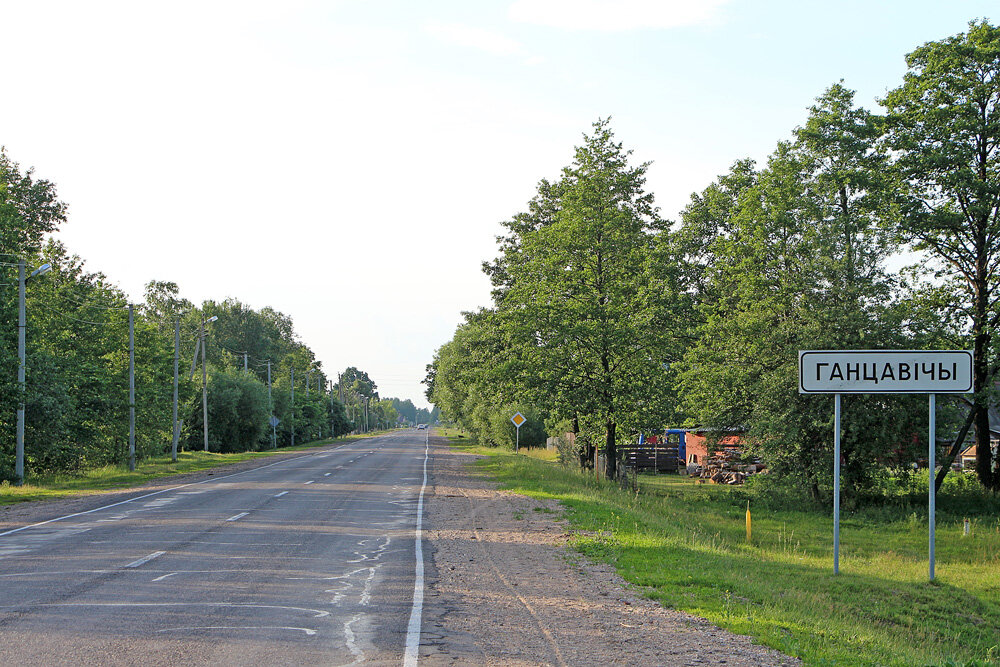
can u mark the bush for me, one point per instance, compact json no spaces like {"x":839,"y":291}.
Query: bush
{"x":238,"y":413}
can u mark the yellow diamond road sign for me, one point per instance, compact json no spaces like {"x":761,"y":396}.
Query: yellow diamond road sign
{"x":518,"y":419}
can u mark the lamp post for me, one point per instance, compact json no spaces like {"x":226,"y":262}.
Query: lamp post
{"x":204,"y":378}
{"x":21,"y":359}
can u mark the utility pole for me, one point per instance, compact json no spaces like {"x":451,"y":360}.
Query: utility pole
{"x":204,"y":385}
{"x":21,"y":324}
{"x":293,"y":408}
{"x":274,"y":431}
{"x":177,"y":359}
{"x":131,"y":388}
{"x":244,"y":362}
{"x":333,"y":425}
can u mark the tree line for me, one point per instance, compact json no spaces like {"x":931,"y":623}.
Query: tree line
{"x":76,"y":393}
{"x":608,"y":320}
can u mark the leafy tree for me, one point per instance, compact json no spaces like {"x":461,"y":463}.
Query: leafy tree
{"x":797,"y":263}
{"x":945,"y":130}
{"x":582,"y":301}
{"x":238,"y":411}
{"x":29,"y":209}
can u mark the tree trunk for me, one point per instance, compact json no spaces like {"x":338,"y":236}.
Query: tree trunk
{"x":980,"y":380}
{"x":585,"y":450}
{"x":611,"y":458}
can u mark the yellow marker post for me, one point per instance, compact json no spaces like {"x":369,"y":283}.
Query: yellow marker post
{"x":748,"y":521}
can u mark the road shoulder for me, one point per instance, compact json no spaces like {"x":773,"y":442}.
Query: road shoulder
{"x":507,"y":590}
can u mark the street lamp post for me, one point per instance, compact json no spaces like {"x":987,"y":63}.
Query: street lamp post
{"x":21,"y":362}
{"x":204,"y":378}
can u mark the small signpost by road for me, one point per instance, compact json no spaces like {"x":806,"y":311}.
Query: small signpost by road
{"x":274,"y":421}
{"x":884,"y":372}
{"x":518,"y":419}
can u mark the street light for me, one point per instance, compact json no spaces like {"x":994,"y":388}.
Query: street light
{"x":204,"y":379}
{"x":21,"y":362}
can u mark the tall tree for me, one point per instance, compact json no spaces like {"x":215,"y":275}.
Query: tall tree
{"x":945,"y":130}
{"x":581,"y":294}
{"x":796,"y":264}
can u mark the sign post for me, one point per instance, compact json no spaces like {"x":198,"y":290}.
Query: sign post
{"x":885,"y":372}
{"x":517,"y":419}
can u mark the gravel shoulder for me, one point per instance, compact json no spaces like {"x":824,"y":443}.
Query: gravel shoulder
{"x":505,"y":589}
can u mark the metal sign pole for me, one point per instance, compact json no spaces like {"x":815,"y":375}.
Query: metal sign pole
{"x":931,"y":428}
{"x":836,"y":483}
{"x":517,"y":438}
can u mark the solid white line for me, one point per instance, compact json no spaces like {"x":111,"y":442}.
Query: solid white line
{"x":281,"y":494}
{"x":146,"y":559}
{"x":413,"y":629}
{"x":238,"y":516}
{"x":149,"y":495}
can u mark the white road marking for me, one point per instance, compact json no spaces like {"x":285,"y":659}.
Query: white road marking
{"x":281,"y":494}
{"x":146,"y":559}
{"x":237,"y":517}
{"x":326,"y":474}
{"x":164,"y":576}
{"x":309,"y":482}
{"x":308,"y":631}
{"x":317,"y":613}
{"x":149,"y":495}
{"x":413,"y":629}
{"x":358,"y":654}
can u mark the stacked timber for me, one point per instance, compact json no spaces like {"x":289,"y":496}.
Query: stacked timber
{"x":728,"y":466}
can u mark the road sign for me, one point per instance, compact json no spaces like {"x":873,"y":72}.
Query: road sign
{"x":885,"y":371}
{"x":273,"y":421}
{"x":518,"y":419}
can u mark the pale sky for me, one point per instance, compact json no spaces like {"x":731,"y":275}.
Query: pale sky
{"x":348,"y":162}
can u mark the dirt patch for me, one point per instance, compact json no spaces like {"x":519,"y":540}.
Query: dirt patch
{"x":506,"y":590}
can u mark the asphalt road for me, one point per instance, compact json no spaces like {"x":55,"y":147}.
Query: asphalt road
{"x":310,"y":560}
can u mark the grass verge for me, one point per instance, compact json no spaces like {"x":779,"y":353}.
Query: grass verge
{"x":685,"y":545}
{"x":97,"y":480}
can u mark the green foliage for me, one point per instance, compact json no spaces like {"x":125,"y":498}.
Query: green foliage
{"x":237,"y":413}
{"x":944,"y":129}
{"x":503,"y":433}
{"x":77,"y":381}
{"x":796,"y":263}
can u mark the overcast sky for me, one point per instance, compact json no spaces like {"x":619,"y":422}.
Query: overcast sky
{"x":348,"y":162}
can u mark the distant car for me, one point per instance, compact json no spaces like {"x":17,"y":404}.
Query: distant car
{"x":421,"y":425}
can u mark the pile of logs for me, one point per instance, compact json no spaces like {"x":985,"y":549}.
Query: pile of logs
{"x":729,"y":467}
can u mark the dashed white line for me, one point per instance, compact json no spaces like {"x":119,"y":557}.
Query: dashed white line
{"x":146,"y":559}
{"x":281,"y":494}
{"x":150,"y":495}
{"x":309,"y":482}
{"x":238,"y":516}
{"x":326,"y":474}
{"x":164,"y":576}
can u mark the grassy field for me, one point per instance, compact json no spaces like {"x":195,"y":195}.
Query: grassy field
{"x":41,"y":487}
{"x":685,"y":545}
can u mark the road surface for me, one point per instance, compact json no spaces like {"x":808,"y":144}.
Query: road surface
{"x":307,"y":560}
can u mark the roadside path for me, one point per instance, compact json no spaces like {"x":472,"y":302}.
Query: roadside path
{"x":506,"y":590}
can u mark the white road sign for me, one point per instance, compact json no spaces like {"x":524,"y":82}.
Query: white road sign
{"x":885,"y":371}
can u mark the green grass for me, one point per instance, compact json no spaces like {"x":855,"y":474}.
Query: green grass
{"x":684,"y":544}
{"x":96,"y":480}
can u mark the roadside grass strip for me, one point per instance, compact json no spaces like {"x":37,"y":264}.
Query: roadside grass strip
{"x":685,"y":545}
{"x":96,"y":480}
